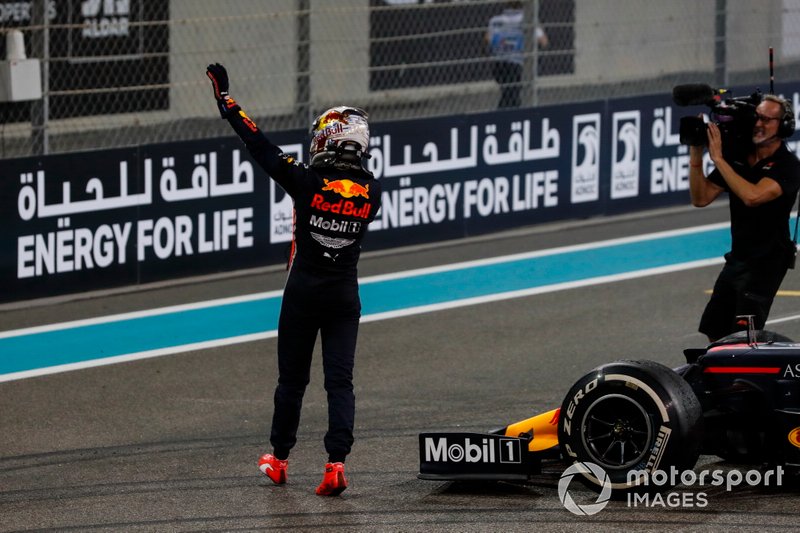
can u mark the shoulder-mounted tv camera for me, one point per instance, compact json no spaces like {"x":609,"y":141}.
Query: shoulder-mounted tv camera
{"x":735,"y":117}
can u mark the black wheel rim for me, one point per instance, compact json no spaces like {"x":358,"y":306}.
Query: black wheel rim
{"x":617,"y":432}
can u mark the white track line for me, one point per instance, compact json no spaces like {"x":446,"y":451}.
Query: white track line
{"x":372,"y":279}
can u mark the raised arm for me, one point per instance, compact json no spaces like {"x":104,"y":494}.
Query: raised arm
{"x":279,"y":166}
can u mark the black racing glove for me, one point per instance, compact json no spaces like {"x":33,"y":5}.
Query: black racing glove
{"x":219,"y":80}
{"x":229,"y":109}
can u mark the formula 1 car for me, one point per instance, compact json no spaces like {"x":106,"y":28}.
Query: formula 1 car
{"x":738,"y":398}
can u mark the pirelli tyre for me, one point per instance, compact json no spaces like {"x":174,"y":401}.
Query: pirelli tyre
{"x":632,"y":419}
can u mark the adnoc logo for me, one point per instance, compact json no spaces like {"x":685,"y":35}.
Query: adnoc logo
{"x":569,"y":503}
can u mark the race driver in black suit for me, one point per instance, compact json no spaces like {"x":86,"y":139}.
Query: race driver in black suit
{"x":335,"y":198}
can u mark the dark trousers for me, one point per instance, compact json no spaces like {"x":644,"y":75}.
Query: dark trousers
{"x":315,"y":304}
{"x":509,"y":76}
{"x":744,"y":287}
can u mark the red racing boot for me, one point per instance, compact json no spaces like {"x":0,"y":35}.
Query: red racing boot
{"x":273,"y":468}
{"x":334,"y":482}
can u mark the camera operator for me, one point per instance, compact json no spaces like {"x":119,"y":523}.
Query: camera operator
{"x":762,"y":186}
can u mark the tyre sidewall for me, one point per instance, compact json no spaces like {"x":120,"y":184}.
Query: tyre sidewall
{"x":658,"y":397}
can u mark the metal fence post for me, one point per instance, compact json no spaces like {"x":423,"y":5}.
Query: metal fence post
{"x":530,"y":19}
{"x":40,"y":48}
{"x":303,"y":103}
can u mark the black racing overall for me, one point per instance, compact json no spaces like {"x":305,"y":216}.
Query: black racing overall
{"x":332,"y":208}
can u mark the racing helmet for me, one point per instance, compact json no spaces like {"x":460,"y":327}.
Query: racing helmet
{"x":339,"y":137}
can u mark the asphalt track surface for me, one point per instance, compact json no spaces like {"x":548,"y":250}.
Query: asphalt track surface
{"x":170,"y":443}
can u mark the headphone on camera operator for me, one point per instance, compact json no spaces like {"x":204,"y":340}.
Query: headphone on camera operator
{"x":787,"y":125}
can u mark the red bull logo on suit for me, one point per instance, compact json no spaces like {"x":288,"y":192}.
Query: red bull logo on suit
{"x":343,"y":207}
{"x":346,"y":188}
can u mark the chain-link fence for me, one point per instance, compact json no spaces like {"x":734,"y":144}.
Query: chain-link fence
{"x":126,"y":72}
